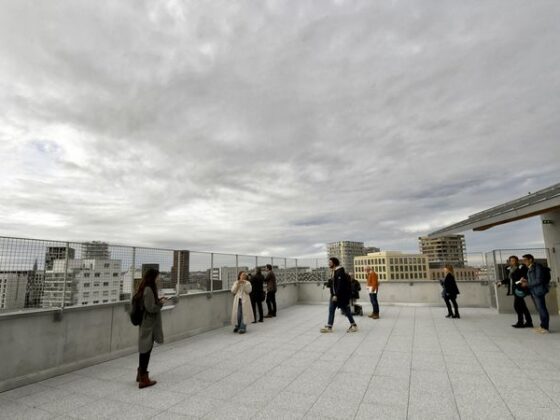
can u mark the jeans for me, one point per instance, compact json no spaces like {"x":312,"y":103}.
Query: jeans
{"x":521,"y":309}
{"x":256,"y":303}
{"x":455,"y":306}
{"x":540,"y":304}
{"x":346,"y":311}
{"x":240,"y":324}
{"x":144,"y":361}
{"x":271,"y":303}
{"x":374,"y":303}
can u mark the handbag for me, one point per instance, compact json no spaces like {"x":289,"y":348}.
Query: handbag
{"x":521,"y":292}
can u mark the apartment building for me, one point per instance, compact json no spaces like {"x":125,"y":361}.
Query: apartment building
{"x":346,"y":251}
{"x":392,"y":265}
{"x":444,"y":250}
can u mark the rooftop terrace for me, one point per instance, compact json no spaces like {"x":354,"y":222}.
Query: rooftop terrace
{"x":412,"y":363}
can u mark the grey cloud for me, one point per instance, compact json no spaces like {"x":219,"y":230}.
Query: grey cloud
{"x":273,"y":126}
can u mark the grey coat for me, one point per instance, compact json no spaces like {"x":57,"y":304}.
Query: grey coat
{"x":150,"y":330}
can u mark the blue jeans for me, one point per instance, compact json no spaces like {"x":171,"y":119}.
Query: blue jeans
{"x":346,"y":311}
{"x":240,"y":324}
{"x":540,"y":304}
{"x":374,"y":303}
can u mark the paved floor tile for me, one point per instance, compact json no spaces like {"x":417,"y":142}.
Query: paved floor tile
{"x":410,"y":364}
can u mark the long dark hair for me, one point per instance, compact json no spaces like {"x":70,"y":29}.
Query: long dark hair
{"x":148,"y":280}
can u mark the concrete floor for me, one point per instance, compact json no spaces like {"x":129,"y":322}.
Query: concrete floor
{"x":412,"y":363}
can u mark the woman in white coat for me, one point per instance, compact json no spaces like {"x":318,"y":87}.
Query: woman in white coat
{"x":242,"y":313}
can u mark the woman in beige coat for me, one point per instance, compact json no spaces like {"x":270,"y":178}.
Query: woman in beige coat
{"x":242,"y":313}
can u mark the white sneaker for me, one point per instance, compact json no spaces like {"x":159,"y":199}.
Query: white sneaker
{"x":353,"y":328}
{"x":326,"y":329}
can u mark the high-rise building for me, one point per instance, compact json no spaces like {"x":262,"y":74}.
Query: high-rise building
{"x":345,"y":251}
{"x":57,"y":253}
{"x":95,"y":251}
{"x":371,"y":250}
{"x":13,"y":288}
{"x":392,"y":265}
{"x":444,"y":250}
{"x":180,"y":270}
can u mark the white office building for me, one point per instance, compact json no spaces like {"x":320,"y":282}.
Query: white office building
{"x":84,"y":282}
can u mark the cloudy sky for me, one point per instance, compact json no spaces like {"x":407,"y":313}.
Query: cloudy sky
{"x":272,"y":127}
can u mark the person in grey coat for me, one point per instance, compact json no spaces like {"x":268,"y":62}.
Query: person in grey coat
{"x":150,"y":329}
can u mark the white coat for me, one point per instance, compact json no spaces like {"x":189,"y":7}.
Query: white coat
{"x":242,"y":292}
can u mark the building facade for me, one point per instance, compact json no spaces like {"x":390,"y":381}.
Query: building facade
{"x":444,"y":250}
{"x":461,"y":274}
{"x":346,"y":251}
{"x":392,"y":265}
{"x":82,"y":282}
{"x":13,"y":287}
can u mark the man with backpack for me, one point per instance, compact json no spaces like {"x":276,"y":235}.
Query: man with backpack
{"x":341,"y":292}
{"x":538,"y":282}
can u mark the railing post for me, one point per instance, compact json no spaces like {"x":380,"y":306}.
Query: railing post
{"x":65,"y":275}
{"x":236,"y":268}
{"x":212,"y":272}
{"x":133,"y":272}
{"x":297,"y":271}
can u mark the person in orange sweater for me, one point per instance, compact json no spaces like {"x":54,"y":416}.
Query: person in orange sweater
{"x":373,"y":286}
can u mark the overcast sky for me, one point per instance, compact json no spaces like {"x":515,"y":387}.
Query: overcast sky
{"x":273,"y":127}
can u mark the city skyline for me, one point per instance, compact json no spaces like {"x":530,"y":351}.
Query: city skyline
{"x":275,"y":128}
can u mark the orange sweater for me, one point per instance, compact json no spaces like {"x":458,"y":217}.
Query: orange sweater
{"x":373,"y":281}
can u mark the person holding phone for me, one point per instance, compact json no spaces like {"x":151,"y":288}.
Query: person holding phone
{"x":242,"y":311}
{"x":373,"y":287}
{"x":150,"y":330}
{"x":517,"y":272}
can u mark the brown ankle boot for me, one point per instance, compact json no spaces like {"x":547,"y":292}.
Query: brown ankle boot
{"x":145,"y":381}
{"x":138,"y":375}
{"x":375,"y":316}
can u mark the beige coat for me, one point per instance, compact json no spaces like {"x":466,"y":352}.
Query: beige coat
{"x":242,"y":292}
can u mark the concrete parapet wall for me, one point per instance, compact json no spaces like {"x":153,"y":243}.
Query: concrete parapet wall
{"x":40,"y":344}
{"x":474,"y":294}
{"x":505,"y":302}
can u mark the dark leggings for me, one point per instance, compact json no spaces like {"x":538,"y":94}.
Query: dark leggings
{"x":144,"y":361}
{"x":455,"y":306}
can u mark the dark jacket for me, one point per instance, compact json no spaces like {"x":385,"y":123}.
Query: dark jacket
{"x":535,"y":276}
{"x":450,"y":288}
{"x":513,"y":277}
{"x":341,"y":287}
{"x":271,"y":285}
{"x":257,"y":284}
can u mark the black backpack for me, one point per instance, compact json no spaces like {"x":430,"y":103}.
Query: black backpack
{"x":137,"y":311}
{"x":546,"y":276}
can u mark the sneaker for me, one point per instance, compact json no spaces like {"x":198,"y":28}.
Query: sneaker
{"x":326,"y":329}
{"x":242,"y":331}
{"x":518,"y":326}
{"x":527,"y":326}
{"x":457,"y":316}
{"x":449,"y":316}
{"x":353,"y":328}
{"x":236,"y":329}
{"x":542,"y":331}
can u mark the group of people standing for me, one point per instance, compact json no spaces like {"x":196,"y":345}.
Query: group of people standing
{"x":249,"y":294}
{"x":528,"y":278}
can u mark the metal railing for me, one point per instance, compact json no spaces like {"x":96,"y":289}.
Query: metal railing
{"x":38,"y":273}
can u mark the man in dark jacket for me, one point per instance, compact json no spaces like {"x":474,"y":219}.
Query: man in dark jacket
{"x":271,"y":288}
{"x":341,"y":292}
{"x":538,"y":287}
{"x":516,"y":272}
{"x":257,"y":294}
